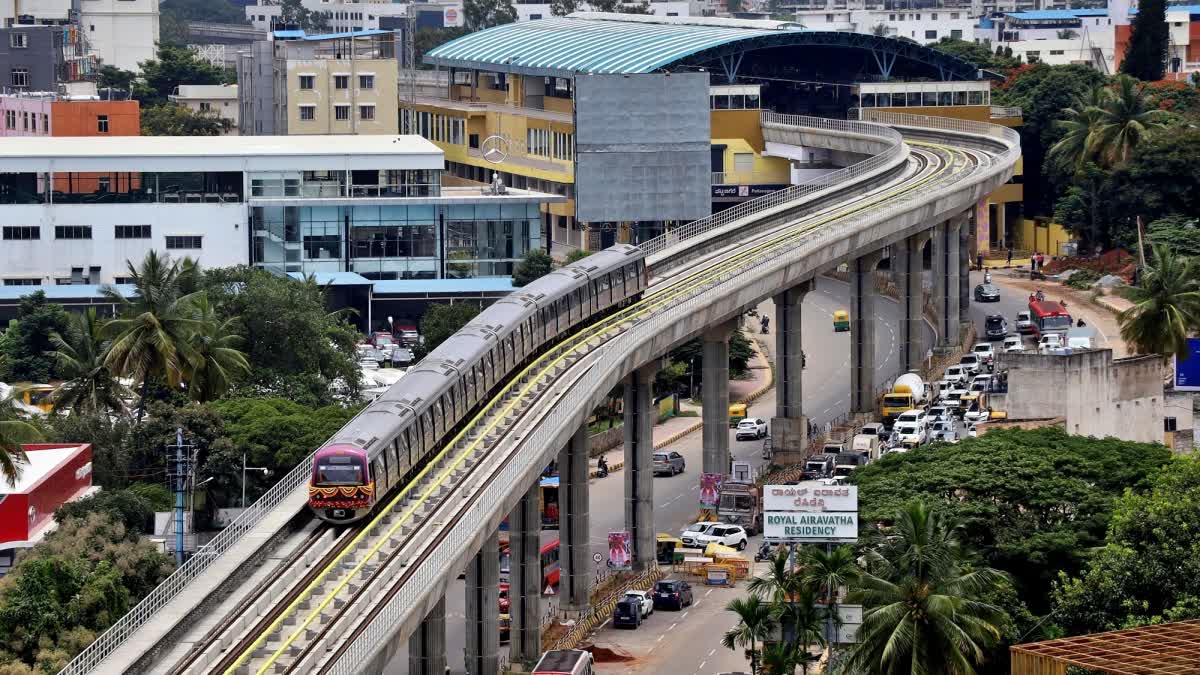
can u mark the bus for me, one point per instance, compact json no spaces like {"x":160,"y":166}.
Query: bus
{"x":564,"y":662}
{"x":551,"y":567}
{"x":1048,"y":317}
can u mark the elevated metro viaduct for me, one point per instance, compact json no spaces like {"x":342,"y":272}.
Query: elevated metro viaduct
{"x":654,"y":151}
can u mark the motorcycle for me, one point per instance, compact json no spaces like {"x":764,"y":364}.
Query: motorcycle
{"x":764,"y":552}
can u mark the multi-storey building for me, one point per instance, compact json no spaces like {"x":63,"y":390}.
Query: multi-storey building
{"x":74,"y":211}
{"x":532,"y":10}
{"x":350,"y":16}
{"x":120,"y":33}
{"x":925,"y":26}
{"x":32,"y":58}
{"x":48,"y":114}
{"x":215,"y":99}
{"x":298,"y":84}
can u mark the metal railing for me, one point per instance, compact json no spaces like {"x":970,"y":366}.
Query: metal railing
{"x":796,"y":192}
{"x":566,"y":412}
{"x":1001,"y":111}
{"x":294,"y":482}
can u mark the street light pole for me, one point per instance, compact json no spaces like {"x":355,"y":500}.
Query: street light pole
{"x":245,"y":468}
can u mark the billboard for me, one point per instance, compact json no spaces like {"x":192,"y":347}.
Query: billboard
{"x":452,"y":17}
{"x":1187,"y":372}
{"x":619,"y":556}
{"x":710,"y":489}
{"x":810,"y":496}
{"x":805,"y":527}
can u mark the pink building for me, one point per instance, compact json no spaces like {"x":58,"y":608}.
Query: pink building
{"x":26,"y":114}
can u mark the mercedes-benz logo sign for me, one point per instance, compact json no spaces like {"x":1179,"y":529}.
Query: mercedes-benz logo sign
{"x":495,"y":149}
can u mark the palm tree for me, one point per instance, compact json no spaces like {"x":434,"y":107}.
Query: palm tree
{"x":1079,"y":144}
{"x":90,"y":386}
{"x":756,"y":621}
{"x":780,"y":658}
{"x":921,"y":609}
{"x":1125,"y":121}
{"x":151,"y":337}
{"x":828,"y":572}
{"x":216,"y":360}
{"x":796,"y":606}
{"x":12,"y":434}
{"x":1166,"y":306}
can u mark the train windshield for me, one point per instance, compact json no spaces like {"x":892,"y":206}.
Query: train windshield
{"x":340,"y":470}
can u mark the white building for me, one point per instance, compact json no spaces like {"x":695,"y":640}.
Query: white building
{"x":352,"y":16}
{"x":121,"y":33}
{"x":218,"y":99}
{"x":532,"y":11}
{"x":75,"y":210}
{"x":922,"y":25}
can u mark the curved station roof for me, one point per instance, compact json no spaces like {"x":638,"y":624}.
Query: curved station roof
{"x":594,"y":42}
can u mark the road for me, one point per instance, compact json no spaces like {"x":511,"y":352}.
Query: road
{"x":826,"y":396}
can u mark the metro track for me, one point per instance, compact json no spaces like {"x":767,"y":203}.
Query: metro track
{"x":428,"y":499}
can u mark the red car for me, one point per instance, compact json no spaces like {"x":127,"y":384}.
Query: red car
{"x":504,"y":598}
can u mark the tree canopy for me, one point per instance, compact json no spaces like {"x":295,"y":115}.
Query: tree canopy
{"x":977,"y":53}
{"x":171,"y":67}
{"x":1146,"y":52}
{"x":535,"y":265}
{"x":480,"y":14}
{"x":28,"y":347}
{"x":442,"y":321}
{"x":172,"y":119}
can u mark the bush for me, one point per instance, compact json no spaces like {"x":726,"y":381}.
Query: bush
{"x":1083,"y":279}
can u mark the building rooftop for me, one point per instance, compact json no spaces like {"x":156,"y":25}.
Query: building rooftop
{"x":301,"y":35}
{"x":42,"y":462}
{"x":63,"y":292}
{"x":1055,"y":14}
{"x":442,"y":286}
{"x":624,"y":44}
{"x":229,"y":91}
{"x":1165,"y":649}
{"x":219,"y":153}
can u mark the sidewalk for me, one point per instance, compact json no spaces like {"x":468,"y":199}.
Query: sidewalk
{"x":759,"y":382}
{"x":1100,"y":316}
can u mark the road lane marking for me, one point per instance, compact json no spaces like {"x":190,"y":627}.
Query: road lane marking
{"x":672,"y":626}
{"x":697,"y":603}
{"x":712,"y":651}
{"x":702,"y":663}
{"x":660,"y":639}
{"x":603,"y":624}
{"x":684,"y":615}
{"x":706,"y":593}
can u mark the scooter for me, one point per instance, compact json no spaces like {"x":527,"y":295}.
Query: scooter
{"x":764,"y":552}
{"x":601,"y":469}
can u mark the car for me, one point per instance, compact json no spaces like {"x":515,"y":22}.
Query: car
{"x":691,"y":532}
{"x":875,"y":428}
{"x":917,"y":417}
{"x":627,"y":613}
{"x":733,"y":536}
{"x":938,"y":413}
{"x":954,"y":375}
{"x":672,"y":594}
{"x":1024,"y":322}
{"x":975,"y":414}
{"x":751,"y":428}
{"x":995,"y":327}
{"x":1013,"y":343}
{"x":952,"y":398}
{"x":645,"y":600}
{"x":1049,"y":342}
{"x":971,"y":431}
{"x":986,"y":351}
{"x":669,"y":463}
{"x":987,"y":293}
{"x":504,"y":601}
{"x":767,"y":446}
{"x":911,"y":432}
{"x":971,"y":364}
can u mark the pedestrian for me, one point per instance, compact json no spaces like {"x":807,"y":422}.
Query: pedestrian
{"x":979,"y":260}
{"x":1008,"y":263}
{"x":1032,"y":264}
{"x":1080,"y":324}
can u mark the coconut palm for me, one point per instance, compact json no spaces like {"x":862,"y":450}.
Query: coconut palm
{"x":796,"y":607}
{"x":1166,"y":306}
{"x":1080,"y":126}
{"x":1124,"y":121}
{"x":828,"y":572}
{"x":756,"y":621}
{"x":779,"y":658}
{"x":921,"y":612}
{"x":12,"y":434}
{"x":90,"y":386}
{"x":216,"y":360}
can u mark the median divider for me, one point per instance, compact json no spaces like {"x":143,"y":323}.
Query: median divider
{"x":601,"y":610}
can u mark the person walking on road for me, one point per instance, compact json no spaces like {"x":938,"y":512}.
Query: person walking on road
{"x":979,"y":260}
{"x":1008,"y":263}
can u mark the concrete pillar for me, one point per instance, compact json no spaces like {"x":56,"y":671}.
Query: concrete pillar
{"x":789,"y":428}
{"x":575,"y":587}
{"x":953,"y":283}
{"x":862,"y":332}
{"x":906,"y":270}
{"x":964,"y":268}
{"x":937,"y":290}
{"x":427,"y":646}
{"x":715,"y":357}
{"x":483,"y":597}
{"x":525,"y":578}
{"x":640,"y":415}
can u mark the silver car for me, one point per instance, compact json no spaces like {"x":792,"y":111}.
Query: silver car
{"x":669,"y":463}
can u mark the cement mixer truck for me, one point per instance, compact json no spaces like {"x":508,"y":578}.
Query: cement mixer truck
{"x":907,"y":392}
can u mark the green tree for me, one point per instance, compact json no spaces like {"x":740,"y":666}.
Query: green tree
{"x":563,"y":7}
{"x":1080,"y":127}
{"x":535,"y":265}
{"x":442,"y":321}
{"x":796,"y":604}
{"x":921,"y":606}
{"x":428,"y":39}
{"x":480,"y":14}
{"x":216,"y":362}
{"x":979,"y":54}
{"x":89,"y":386}
{"x":1031,"y":502}
{"x":827,"y":572}
{"x":1166,"y":306}
{"x":1146,"y":53}
{"x":109,"y":438}
{"x":115,"y":78}
{"x":172,"y":119}
{"x":1178,"y":233}
{"x":756,"y":622}
{"x":295,"y":14}
{"x":1163,"y":176}
{"x":1124,"y":122}
{"x":13,"y":433}
{"x":127,"y":507}
{"x":28,"y":350}
{"x":171,"y":67}
{"x":577,"y":255}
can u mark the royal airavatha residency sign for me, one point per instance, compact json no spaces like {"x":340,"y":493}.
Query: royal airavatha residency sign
{"x":810,"y":512}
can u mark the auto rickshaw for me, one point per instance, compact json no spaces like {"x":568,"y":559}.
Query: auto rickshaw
{"x":841,"y":321}
{"x":737,"y":413}
{"x":669,"y":549}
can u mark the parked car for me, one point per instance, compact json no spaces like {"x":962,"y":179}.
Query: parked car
{"x":672,"y":594}
{"x":751,"y":428}
{"x":627,"y":613}
{"x":987,"y":293}
{"x":1024,"y":322}
{"x":645,"y":600}
{"x":691,"y":532}
{"x":669,"y":463}
{"x":1013,"y":343}
{"x":726,"y":535}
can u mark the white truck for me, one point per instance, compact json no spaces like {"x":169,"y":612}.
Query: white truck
{"x":866,"y":445}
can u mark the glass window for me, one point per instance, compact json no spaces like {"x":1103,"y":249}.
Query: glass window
{"x":366,"y":81}
{"x":101,"y":124}
{"x":132,"y":231}
{"x":22,"y":232}
{"x":19,"y":77}
{"x":341,"y":81}
{"x":366,"y":112}
{"x":72,"y":231}
{"x":341,"y":112}
{"x":184,"y":242}
{"x":308,"y":112}
{"x":19,"y":40}
{"x":307,"y":81}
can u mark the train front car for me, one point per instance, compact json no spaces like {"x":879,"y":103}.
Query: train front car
{"x":341,"y":489}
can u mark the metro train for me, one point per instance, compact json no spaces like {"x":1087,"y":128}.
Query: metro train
{"x":387,"y":443}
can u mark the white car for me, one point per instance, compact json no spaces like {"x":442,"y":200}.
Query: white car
{"x":976,"y":415}
{"x":971,"y":363}
{"x":954,"y":375}
{"x":909,"y":432}
{"x":916,"y":417}
{"x":971,"y":430}
{"x":1024,"y":322}
{"x":984,"y":351}
{"x":644,"y":599}
{"x":944,"y":431}
{"x":691,"y":533}
{"x":726,"y":535}
{"x":1049,"y":342}
{"x":938,"y":413}
{"x":1013,"y":343}
{"x":751,"y":428}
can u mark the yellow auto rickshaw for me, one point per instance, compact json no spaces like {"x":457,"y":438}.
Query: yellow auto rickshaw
{"x":737,"y":413}
{"x":38,"y":396}
{"x":841,"y":321}
{"x":669,"y":549}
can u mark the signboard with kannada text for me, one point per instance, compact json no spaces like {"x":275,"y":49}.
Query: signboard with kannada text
{"x":810,"y":496}
{"x":804,"y":527}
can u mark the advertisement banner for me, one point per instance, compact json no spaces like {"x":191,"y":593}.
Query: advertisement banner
{"x":810,"y":496}
{"x":1187,"y":371}
{"x":710,"y":489}
{"x":811,"y":527}
{"x":620,"y":558}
